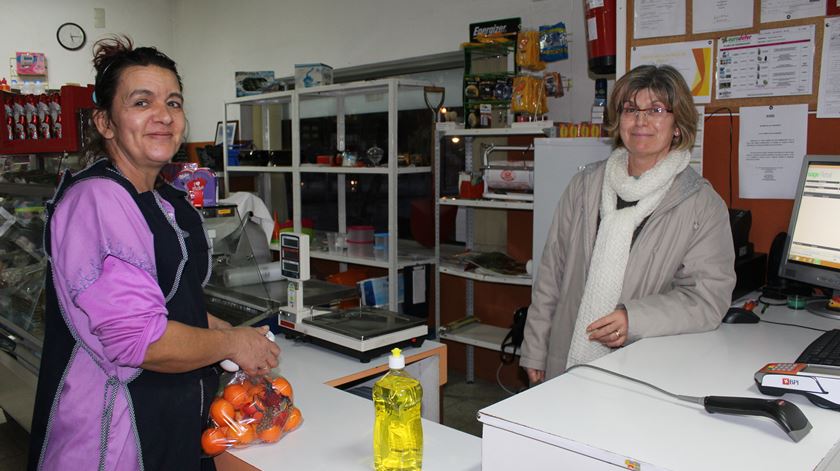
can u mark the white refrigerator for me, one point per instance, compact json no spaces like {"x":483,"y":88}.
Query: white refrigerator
{"x":556,"y":161}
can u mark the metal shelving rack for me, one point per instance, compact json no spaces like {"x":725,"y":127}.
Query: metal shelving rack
{"x":401,"y":254}
{"x":476,"y":335}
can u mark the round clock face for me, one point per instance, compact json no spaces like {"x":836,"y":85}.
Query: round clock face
{"x":71,"y":36}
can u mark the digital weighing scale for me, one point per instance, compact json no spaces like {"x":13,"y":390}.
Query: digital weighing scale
{"x":363,"y":332}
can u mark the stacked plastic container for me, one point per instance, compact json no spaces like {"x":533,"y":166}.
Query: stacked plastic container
{"x":360,"y":241}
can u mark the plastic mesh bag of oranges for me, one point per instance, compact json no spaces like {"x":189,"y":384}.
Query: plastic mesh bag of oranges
{"x":248,"y":411}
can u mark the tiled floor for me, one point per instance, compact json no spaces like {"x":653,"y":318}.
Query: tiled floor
{"x":461,"y":402}
{"x":14,"y":443}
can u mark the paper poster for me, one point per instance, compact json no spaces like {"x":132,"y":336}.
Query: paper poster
{"x":775,"y":62}
{"x":721,"y":15}
{"x":783,"y":10}
{"x":771,"y":146}
{"x":656,"y":18}
{"x":692,"y":59}
{"x":828,"y":98}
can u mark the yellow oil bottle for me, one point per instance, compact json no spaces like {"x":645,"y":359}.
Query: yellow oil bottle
{"x":397,"y":430}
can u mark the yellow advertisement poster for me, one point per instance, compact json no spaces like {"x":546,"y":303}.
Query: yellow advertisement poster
{"x":692,"y":59}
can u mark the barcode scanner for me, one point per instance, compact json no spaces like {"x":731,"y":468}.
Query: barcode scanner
{"x":786,"y":414}
{"x":789,"y":417}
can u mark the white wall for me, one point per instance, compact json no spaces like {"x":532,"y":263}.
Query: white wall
{"x":211,"y":39}
{"x":215,"y":38}
{"x":30,"y":25}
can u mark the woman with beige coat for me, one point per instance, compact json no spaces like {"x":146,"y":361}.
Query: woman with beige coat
{"x":640,"y":245}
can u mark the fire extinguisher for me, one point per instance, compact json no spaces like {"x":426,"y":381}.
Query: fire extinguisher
{"x":600,"y":35}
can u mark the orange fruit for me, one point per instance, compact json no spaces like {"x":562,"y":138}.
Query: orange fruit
{"x":257,"y":391}
{"x":293,"y":421}
{"x":222,"y":412}
{"x":241,"y":435}
{"x":213,"y":441}
{"x":281,"y":386}
{"x":271,"y":434}
{"x":237,"y":395}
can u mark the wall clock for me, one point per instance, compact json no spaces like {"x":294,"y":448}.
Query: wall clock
{"x":71,"y":36}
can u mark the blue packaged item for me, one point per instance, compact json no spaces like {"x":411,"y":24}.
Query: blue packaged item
{"x":553,"y":44}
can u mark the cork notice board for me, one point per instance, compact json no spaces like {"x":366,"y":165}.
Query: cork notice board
{"x":720,"y":159}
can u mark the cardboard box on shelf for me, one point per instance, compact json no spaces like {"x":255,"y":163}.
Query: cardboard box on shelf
{"x":313,"y":75}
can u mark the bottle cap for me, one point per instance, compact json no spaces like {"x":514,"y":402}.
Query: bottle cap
{"x":396,"y":361}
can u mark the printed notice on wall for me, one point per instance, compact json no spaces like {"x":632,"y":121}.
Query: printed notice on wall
{"x":721,"y":15}
{"x":775,"y":62}
{"x":782,"y":10}
{"x":770,"y":151}
{"x":828,"y":99}
{"x":656,"y":18}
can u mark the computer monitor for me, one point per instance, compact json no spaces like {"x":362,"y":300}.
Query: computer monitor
{"x":812,"y":251}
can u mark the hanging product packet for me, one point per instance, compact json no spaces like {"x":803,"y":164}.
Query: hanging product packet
{"x":553,"y":44}
{"x":528,"y":50}
{"x":529,"y":96}
{"x":248,"y":411}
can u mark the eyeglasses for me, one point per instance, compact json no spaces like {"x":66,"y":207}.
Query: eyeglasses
{"x":656,"y":112}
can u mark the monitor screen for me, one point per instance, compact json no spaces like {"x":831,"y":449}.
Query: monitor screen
{"x":812,"y":252}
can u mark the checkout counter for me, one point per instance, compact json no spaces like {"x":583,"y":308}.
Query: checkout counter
{"x":588,"y":420}
{"x":337,"y":431}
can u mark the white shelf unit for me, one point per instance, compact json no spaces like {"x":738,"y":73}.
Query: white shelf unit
{"x":485,"y":203}
{"x":478,"y":335}
{"x":386,"y":95}
{"x":450,"y":269}
{"x":475,"y":335}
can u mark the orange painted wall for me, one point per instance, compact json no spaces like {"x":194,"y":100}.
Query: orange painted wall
{"x":769,"y":217}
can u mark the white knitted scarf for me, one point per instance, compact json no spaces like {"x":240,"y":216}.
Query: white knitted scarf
{"x":612,"y":245}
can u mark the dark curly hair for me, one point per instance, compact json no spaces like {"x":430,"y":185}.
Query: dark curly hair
{"x":111,"y":56}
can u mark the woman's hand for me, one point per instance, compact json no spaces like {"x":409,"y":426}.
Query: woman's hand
{"x":254,"y":353}
{"x":214,"y":322}
{"x":535,"y":376}
{"x":610,"y":330}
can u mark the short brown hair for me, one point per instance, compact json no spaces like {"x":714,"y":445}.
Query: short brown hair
{"x":669,"y":87}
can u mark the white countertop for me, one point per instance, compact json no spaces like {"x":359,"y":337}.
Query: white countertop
{"x":615,"y":420}
{"x":337,"y":429}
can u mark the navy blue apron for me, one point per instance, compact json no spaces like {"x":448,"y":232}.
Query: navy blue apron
{"x":169,"y":409}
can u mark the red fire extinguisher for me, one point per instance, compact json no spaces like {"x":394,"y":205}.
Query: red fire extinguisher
{"x":600,"y":35}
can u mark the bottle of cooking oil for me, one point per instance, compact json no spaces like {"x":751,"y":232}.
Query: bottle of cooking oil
{"x":397,"y":431}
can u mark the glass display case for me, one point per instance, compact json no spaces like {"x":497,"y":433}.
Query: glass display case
{"x":22,"y":265}
{"x":22,"y":269}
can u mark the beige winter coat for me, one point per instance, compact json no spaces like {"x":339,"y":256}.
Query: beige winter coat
{"x":679,"y":277}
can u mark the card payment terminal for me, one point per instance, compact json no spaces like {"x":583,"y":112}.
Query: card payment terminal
{"x":819,"y":383}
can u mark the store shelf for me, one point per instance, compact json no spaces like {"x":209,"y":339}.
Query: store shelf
{"x":409,"y":253}
{"x":496,"y":132}
{"x":357,"y":88}
{"x":73,"y":98}
{"x":363,"y":170}
{"x":478,"y":335}
{"x":257,"y":169}
{"x":264,"y":98}
{"x":487,"y":203}
{"x":455,"y":270}
{"x":27,"y":189}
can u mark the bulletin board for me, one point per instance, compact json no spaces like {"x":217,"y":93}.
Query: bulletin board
{"x":720,"y":159}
